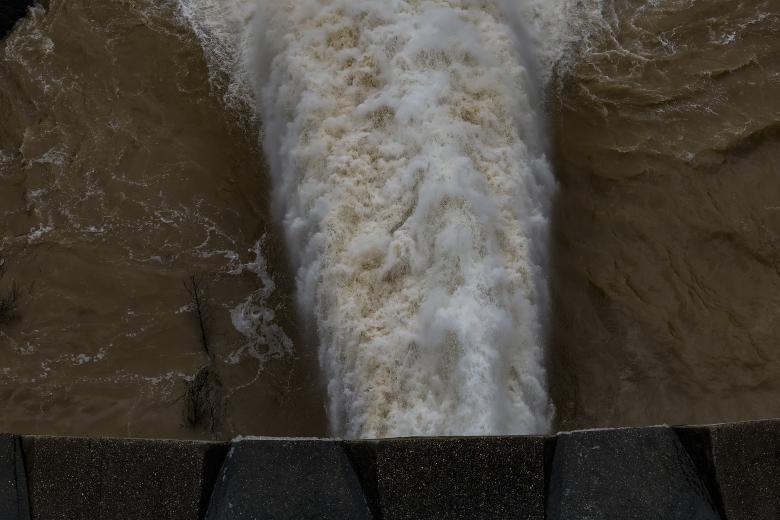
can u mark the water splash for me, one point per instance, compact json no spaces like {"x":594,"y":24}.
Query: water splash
{"x":407,"y":144}
{"x":255,"y":317}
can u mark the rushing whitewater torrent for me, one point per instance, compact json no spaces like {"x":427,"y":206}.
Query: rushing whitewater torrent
{"x":407,"y":145}
{"x":129,"y":157}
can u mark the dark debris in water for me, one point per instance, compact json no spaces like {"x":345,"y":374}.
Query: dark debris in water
{"x":9,"y":298}
{"x":10,"y":12}
{"x":203,"y":404}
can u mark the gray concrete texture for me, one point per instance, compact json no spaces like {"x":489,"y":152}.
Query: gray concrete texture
{"x":454,"y":478}
{"x":746,"y":458}
{"x":631,"y":474}
{"x":89,"y":479}
{"x":280,"y":479}
{"x":729,"y":472}
{"x":13,"y":481}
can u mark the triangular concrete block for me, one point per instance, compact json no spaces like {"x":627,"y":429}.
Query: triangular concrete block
{"x":630,"y":474}
{"x":13,"y":481}
{"x":286,"y":479}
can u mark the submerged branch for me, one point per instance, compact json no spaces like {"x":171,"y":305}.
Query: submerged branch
{"x":196,"y":289}
{"x":9,"y":301}
{"x":203,"y":401}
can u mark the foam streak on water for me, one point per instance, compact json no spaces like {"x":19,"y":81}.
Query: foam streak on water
{"x":406,"y":143}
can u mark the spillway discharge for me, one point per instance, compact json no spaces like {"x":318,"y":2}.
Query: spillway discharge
{"x":406,"y":143}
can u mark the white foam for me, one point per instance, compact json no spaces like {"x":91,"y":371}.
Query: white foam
{"x":224,"y":29}
{"x":407,"y":145}
{"x":254,"y":318}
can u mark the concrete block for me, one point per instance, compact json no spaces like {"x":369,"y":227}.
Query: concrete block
{"x":632,"y":473}
{"x":746,"y":457}
{"x":455,"y":478}
{"x":698,"y":443}
{"x":288,"y":479}
{"x":13,"y":481}
{"x":90,"y":479}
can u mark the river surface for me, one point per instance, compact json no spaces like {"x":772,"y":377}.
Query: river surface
{"x":667,"y":227}
{"x":592,"y":243}
{"x":122,"y":174}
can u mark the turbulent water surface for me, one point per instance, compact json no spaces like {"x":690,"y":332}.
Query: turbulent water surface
{"x":407,"y":144}
{"x":666,"y":237}
{"x":121,"y":174}
{"x":481,"y":217}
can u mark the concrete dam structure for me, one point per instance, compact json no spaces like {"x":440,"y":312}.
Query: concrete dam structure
{"x":725,"y":471}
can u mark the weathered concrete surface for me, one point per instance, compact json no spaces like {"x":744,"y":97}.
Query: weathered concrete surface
{"x":10,"y":12}
{"x":721,"y":472}
{"x":74,"y":479}
{"x":280,"y":479}
{"x":456,"y":478}
{"x":697,"y":441}
{"x":637,"y":473}
{"x":746,"y":457}
{"x":13,"y":482}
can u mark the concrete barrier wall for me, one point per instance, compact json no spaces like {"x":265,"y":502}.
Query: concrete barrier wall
{"x":725,"y":472}
{"x":720,"y":472}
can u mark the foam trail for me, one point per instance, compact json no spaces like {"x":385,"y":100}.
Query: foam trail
{"x":224,"y":29}
{"x":407,"y":147}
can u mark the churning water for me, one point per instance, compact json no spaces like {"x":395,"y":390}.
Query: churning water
{"x":407,"y":146}
{"x":471,"y":193}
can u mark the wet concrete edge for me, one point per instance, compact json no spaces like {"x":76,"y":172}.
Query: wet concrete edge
{"x":362,"y":457}
{"x":214,"y":461}
{"x":697,"y":441}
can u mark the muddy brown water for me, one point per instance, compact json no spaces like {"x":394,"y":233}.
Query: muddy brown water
{"x":667,"y":227}
{"x":122,"y":173}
